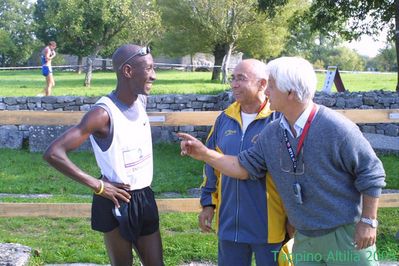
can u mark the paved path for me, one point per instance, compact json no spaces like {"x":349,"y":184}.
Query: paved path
{"x":382,"y":143}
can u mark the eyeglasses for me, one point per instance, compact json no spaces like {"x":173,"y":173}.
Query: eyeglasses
{"x":143,"y":51}
{"x":241,"y":78}
{"x":238,"y":79}
{"x":286,"y":165}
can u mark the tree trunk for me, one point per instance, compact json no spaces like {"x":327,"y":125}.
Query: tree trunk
{"x":89,"y":71}
{"x":104,"y":64}
{"x":225,"y":70}
{"x":397,"y":39}
{"x":218,"y":53}
{"x":191,"y":68}
{"x":80,"y":62}
{"x":89,"y":67}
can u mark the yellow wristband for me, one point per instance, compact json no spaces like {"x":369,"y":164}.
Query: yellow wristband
{"x":101,"y":188}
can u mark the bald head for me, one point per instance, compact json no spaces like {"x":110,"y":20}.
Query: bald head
{"x":122,"y":54}
{"x":253,"y":67}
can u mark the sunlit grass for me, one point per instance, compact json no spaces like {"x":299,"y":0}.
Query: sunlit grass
{"x":25,"y":172}
{"x":31,"y":83}
{"x":71,"y":240}
{"x":22,"y":172}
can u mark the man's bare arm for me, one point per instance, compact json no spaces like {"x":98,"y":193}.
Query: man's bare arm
{"x":94,"y":122}
{"x":226,"y":164}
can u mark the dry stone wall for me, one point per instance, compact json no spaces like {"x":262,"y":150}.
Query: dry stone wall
{"x":36,"y":138}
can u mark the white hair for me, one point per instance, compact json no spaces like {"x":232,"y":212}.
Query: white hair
{"x":293,"y":74}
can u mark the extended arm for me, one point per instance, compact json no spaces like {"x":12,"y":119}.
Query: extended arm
{"x":226,"y":164}
{"x":94,"y":122}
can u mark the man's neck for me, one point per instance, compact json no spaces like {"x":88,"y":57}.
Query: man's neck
{"x":295,"y":112}
{"x":253,"y":107}
{"x":125,"y":97}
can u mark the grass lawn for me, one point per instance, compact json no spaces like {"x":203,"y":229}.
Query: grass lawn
{"x":71,"y":240}
{"x":25,"y":172}
{"x":31,"y":82}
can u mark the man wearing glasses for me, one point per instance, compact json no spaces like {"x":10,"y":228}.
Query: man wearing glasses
{"x":123,"y":208}
{"x":325,"y":171}
{"x":250,"y":217}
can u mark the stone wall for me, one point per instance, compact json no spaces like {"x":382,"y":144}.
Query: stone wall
{"x":36,"y":138}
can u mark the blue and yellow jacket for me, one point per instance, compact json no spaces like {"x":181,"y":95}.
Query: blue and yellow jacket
{"x":247,"y":211}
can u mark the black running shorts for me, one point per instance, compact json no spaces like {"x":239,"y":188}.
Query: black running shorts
{"x":137,"y":218}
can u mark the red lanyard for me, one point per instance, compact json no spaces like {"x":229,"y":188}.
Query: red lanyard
{"x":262,"y":105}
{"x":306,"y":129}
{"x":301,"y":140}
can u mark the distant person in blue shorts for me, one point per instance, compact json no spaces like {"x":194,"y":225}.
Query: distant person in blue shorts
{"x":47,"y":55}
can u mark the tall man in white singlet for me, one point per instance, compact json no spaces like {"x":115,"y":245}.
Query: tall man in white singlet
{"x":124,"y":207}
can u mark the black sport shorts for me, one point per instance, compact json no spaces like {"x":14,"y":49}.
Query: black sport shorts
{"x":137,"y":218}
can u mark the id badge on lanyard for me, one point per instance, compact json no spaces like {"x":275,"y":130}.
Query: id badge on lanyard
{"x":296,"y":187}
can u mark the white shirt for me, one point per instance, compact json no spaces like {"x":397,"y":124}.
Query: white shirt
{"x":128,"y":159}
{"x":300,"y":122}
{"x":246,"y":120}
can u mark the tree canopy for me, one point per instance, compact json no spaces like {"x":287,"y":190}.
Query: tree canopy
{"x":350,"y":18}
{"x":221,"y":27}
{"x":85,"y":27}
{"x":16,"y":32}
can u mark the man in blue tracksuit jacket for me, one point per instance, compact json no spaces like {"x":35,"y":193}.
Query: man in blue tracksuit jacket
{"x":250,"y":218}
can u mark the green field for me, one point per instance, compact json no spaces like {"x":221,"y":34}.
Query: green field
{"x":31,"y":82}
{"x":70,"y":240}
{"x":25,"y":172}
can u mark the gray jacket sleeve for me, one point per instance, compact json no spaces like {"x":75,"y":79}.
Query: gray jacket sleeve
{"x":360,"y":159}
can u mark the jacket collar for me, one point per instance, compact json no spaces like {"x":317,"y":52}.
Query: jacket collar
{"x":234,"y":111}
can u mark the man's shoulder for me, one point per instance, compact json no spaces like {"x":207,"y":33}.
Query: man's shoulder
{"x":99,"y":110}
{"x":334,"y":125}
{"x":271,"y":130}
{"x":335,"y":119}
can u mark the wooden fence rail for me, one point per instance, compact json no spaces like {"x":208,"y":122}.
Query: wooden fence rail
{"x":156,"y":119}
{"x":359,"y":116}
{"x":58,"y":210}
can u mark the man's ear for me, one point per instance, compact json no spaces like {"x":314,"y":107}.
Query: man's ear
{"x":263,"y":84}
{"x":127,"y":71}
{"x":292,"y":95}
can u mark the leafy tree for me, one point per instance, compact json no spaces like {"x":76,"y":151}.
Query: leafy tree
{"x":219,"y":27}
{"x":16,"y":34}
{"x":6,"y":47}
{"x":86,"y":27}
{"x":267,"y":35}
{"x":352,"y":18}
{"x":385,"y":59}
{"x":305,"y":42}
{"x":345,"y":59}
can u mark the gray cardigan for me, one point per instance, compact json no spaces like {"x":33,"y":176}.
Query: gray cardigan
{"x":336,"y":166}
